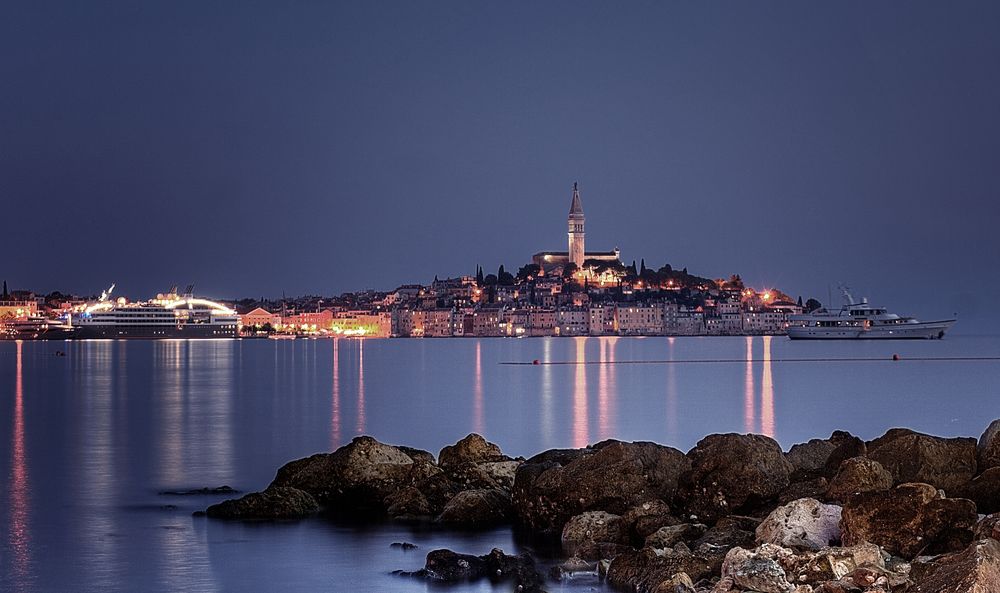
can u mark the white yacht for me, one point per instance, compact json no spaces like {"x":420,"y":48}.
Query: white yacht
{"x":167,"y":316}
{"x":861,"y":321}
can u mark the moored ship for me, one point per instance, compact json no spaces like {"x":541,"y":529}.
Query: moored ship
{"x":167,"y":316}
{"x":36,"y":327}
{"x":862,"y":321}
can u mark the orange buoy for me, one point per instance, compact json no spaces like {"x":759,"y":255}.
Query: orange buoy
{"x":535,"y":361}
{"x":895,"y":357}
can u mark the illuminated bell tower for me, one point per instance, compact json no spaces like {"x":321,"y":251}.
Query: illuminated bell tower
{"x":576,"y":250}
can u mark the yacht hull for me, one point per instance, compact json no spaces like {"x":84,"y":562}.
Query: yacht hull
{"x":153,"y":332}
{"x":925,"y":330}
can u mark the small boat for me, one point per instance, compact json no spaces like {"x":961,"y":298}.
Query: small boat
{"x":862,"y":321}
{"x":36,"y":327}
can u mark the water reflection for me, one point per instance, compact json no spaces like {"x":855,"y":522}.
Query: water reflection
{"x":748,"y":391}
{"x":581,"y":434}
{"x":605,"y":388}
{"x":478,"y":421}
{"x":671,"y":392}
{"x":767,"y":393}
{"x":547,"y":416}
{"x":361,"y":386}
{"x":335,"y":403}
{"x":19,"y":537}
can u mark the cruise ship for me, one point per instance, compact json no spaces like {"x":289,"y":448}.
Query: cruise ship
{"x":860,"y":321}
{"x":167,"y":316}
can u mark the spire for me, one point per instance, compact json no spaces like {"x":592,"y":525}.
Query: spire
{"x":6,"y":296}
{"x":576,"y":207}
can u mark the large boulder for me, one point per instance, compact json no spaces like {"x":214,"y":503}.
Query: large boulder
{"x":584,"y":534}
{"x":984,"y":490}
{"x":646,"y":518}
{"x":908,"y":520}
{"x":810,"y":457}
{"x":669,"y":536}
{"x":358,"y":476}
{"x":988,"y":447}
{"x":757,"y":570}
{"x":975,"y":569}
{"x":610,"y":476}
{"x":801,"y":524}
{"x":645,"y":569}
{"x":858,"y":474}
{"x":477,"y":508}
{"x":945,"y":463}
{"x":474,"y":449}
{"x":449,"y":566}
{"x":273,"y":503}
{"x":731,"y":473}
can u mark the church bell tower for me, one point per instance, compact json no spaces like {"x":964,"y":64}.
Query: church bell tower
{"x":576,"y":249}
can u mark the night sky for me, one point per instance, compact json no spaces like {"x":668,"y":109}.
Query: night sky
{"x":320,"y":147}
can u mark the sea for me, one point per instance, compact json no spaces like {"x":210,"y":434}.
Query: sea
{"x":95,"y":434}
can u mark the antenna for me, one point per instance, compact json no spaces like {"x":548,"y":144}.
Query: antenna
{"x":189,"y":291}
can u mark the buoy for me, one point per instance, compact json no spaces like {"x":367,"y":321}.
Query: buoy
{"x":535,"y":361}
{"x":895,"y":357}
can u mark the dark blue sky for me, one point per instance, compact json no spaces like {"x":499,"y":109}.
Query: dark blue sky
{"x":318,"y":147}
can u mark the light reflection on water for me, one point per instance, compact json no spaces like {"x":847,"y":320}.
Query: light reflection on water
{"x":89,"y":439}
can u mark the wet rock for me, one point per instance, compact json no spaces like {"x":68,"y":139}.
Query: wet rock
{"x":571,"y":567}
{"x":859,"y":474}
{"x":405,"y":546}
{"x":945,"y":463}
{"x":667,"y":537}
{"x":757,"y":570}
{"x":646,"y":518}
{"x":975,"y":569}
{"x":478,"y":508}
{"x":611,"y":476}
{"x":984,"y":490}
{"x":449,"y":566}
{"x":471,"y":449}
{"x":988,"y":447}
{"x":644,"y":569}
{"x":988,"y":526}
{"x":218,"y":490}
{"x":908,"y":520}
{"x":731,"y":473}
{"x":801,"y":524}
{"x":358,"y":476}
{"x":273,"y":503}
{"x":583,"y":533}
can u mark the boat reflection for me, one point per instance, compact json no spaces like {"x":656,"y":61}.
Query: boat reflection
{"x":19,"y":537}
{"x":759,"y":420}
{"x":581,"y":435}
{"x":335,"y":398}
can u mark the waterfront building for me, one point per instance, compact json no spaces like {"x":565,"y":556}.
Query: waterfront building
{"x":438,"y":323}
{"x":542,"y":322}
{"x":309,"y":322}
{"x":260,"y":317}
{"x":486,"y":321}
{"x":369,"y":324}
{"x":602,"y":319}
{"x":555,"y":261}
{"x":639,"y":319}
{"x":18,"y":309}
{"x":572,"y":321}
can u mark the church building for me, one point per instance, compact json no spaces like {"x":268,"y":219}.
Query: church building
{"x":553,"y":261}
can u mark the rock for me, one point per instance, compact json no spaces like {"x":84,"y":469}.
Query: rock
{"x":848,"y":447}
{"x":473,"y":448}
{"x":832,"y":564}
{"x":908,"y":520}
{"x":731,"y":473}
{"x":975,"y":569}
{"x":478,"y":508}
{"x":813,"y":488}
{"x":757,"y":570}
{"x":273,"y":503}
{"x":988,"y":526}
{"x":679,"y":583}
{"x":667,"y":537}
{"x":988,"y":447}
{"x":358,"y":476}
{"x":811,"y":456}
{"x":858,"y":474}
{"x":645,"y":569}
{"x":984,"y":490}
{"x":646,"y":518}
{"x":218,"y":490}
{"x":572,"y":566}
{"x":802,"y":524}
{"x":945,"y":463}
{"x":405,"y":546}
{"x":582,"y":533}
{"x":449,"y":566}
{"x":469,"y":475}
{"x":610,"y":476}
{"x":501,"y":472}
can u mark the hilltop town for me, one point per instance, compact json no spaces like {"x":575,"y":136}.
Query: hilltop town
{"x":560,"y":293}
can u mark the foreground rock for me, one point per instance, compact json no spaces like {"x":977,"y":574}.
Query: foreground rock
{"x":274,"y":503}
{"x":757,"y":570}
{"x":645,"y":569}
{"x":477,"y":508}
{"x":448,"y":566}
{"x":611,"y":476}
{"x":908,"y":520}
{"x":732,"y":473}
{"x":594,"y":535}
{"x":858,"y":474}
{"x":973,"y":570}
{"x":988,"y":447}
{"x":911,"y":456}
{"x":471,"y":449}
{"x":803,"y":524}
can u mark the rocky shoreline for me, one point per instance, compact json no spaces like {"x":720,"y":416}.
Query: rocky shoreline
{"x":903,"y":512}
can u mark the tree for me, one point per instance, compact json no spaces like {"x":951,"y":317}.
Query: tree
{"x":504,"y":278}
{"x":800,"y":300}
{"x":490,"y":280}
{"x":642,"y":266}
{"x":528,"y":272}
{"x":569,"y":270}
{"x":812,"y":305}
{"x":479,"y":275}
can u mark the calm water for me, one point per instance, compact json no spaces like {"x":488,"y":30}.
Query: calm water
{"x":87,"y":440}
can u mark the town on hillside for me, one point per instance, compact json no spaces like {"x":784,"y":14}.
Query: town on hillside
{"x":560,"y":293}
